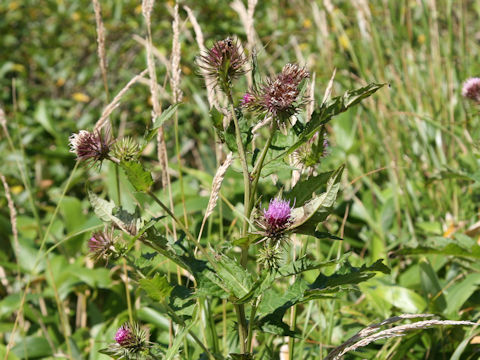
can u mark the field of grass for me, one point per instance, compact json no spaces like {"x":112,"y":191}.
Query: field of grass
{"x":408,"y":194}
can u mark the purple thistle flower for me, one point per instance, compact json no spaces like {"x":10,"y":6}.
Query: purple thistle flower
{"x":278,"y":94}
{"x":101,"y":245}
{"x":277,"y":216}
{"x":471,"y":89}
{"x":223,"y":63}
{"x":124,"y":335}
{"x":246,"y":99}
{"x":90,"y":146}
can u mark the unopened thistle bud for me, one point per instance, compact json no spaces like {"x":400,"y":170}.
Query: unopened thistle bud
{"x":126,"y":149}
{"x":278,"y":95}
{"x":90,"y":146}
{"x":471,"y":89}
{"x":223,"y":63}
{"x":269,"y":256}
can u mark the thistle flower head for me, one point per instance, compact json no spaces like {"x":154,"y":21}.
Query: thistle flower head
{"x":471,"y":89}
{"x":131,"y":342}
{"x":90,"y":146}
{"x":278,"y":95}
{"x":223,"y":63}
{"x":130,"y":336}
{"x":124,"y":335}
{"x":275,"y":220}
{"x":246,"y":99}
{"x":102,"y":245}
{"x":277,"y":216}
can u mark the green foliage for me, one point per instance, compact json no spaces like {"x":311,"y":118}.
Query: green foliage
{"x":408,"y":157}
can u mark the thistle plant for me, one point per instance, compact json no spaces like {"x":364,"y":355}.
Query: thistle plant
{"x":261,"y":237}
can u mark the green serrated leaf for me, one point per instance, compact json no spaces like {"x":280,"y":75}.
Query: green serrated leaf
{"x":323,"y":202}
{"x":331,"y":108}
{"x":156,"y":288}
{"x":304,"y":189}
{"x":104,"y":211}
{"x":137,"y":175}
{"x":166,"y":115}
{"x":232,"y":277}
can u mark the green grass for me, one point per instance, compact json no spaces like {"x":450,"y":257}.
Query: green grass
{"x":410,"y":151}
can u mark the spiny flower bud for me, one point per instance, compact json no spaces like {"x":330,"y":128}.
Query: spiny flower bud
{"x":90,"y":146}
{"x":278,"y":95}
{"x":223,"y":63}
{"x":269,"y":256}
{"x":126,"y":149}
{"x":311,"y":153}
{"x":471,"y":89}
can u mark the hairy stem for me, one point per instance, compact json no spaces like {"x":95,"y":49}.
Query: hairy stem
{"x":257,"y":170}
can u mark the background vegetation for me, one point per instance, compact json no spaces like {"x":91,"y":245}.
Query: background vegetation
{"x":410,"y":188}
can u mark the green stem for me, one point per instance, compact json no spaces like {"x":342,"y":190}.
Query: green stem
{"x":242,"y":327}
{"x":251,"y":323}
{"x":178,"y":320}
{"x":257,"y":170}
{"x":243,"y":161}
{"x":240,"y":308}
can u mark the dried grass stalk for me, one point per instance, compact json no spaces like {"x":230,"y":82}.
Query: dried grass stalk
{"x":11,"y":207}
{"x":216,"y":185}
{"x":162,"y":58}
{"x":3,"y":119}
{"x":328,"y":90}
{"x":101,"y":42}
{"x":310,"y":98}
{"x":371,"y":333}
{"x":176,"y":54}
{"x":116,"y":102}
{"x":212,"y":100}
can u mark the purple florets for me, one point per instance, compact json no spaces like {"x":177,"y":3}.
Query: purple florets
{"x":277,"y":216}
{"x":102,"y":245}
{"x":90,"y":146}
{"x":277,"y":95}
{"x":471,"y":89}
{"x":124,"y":336}
{"x":246,"y":99}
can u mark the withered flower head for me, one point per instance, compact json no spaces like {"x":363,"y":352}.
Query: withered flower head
{"x":471,"y":89}
{"x":278,"y":95}
{"x":223,"y":63}
{"x":90,"y":146}
{"x":102,"y":245}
